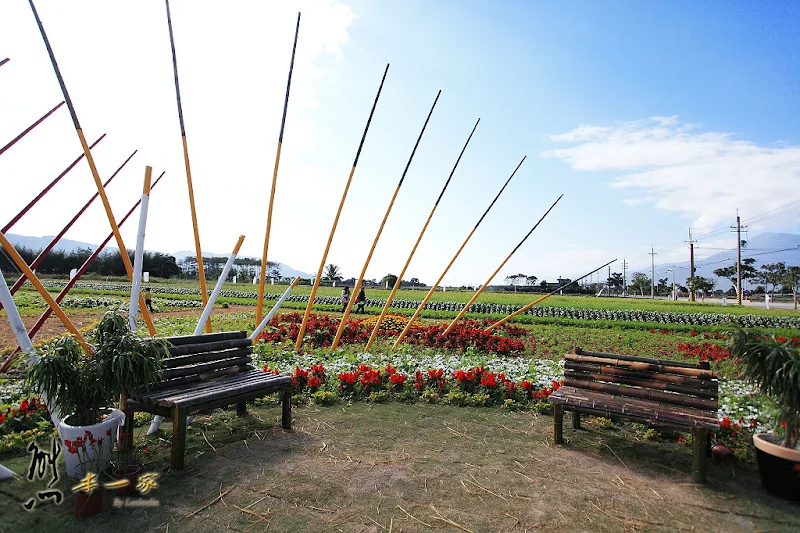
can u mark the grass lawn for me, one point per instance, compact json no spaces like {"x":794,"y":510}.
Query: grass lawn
{"x":419,"y":467}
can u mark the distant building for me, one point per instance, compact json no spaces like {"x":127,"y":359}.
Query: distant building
{"x":552,"y":286}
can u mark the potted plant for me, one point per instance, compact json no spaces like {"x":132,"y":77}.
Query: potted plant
{"x":83,"y":386}
{"x":773,"y":366}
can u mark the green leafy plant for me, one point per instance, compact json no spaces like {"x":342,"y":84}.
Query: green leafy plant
{"x":773,"y":366}
{"x":82,"y":385}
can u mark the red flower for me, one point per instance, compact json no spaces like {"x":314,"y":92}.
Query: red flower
{"x":397,"y":378}
{"x":108,"y":432}
{"x":2,"y":418}
{"x":725,"y":423}
{"x":23,"y":406}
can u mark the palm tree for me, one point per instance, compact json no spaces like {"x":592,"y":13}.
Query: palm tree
{"x":332,"y":273}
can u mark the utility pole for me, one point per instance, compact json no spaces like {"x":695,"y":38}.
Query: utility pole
{"x":738,"y":229}
{"x":691,"y":267}
{"x":624,"y":277}
{"x":652,"y":273}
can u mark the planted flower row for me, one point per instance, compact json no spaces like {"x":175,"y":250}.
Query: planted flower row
{"x":625,"y":315}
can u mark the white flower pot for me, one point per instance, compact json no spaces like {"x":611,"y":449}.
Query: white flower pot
{"x":87,"y":456}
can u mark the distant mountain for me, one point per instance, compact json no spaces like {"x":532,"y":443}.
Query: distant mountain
{"x":763,"y":248}
{"x":67,"y":245}
{"x":38,"y":243}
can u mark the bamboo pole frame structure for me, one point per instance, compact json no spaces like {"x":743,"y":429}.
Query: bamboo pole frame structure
{"x":545,"y":297}
{"x":488,"y":281}
{"x":81,"y":271}
{"x":47,"y":189}
{"x":138,"y":258}
{"x":357,"y":286}
{"x":299,"y":342}
{"x":453,"y":260}
{"x":397,"y":283}
{"x":28,"y":129}
{"x":25,"y":269}
{"x":90,"y":159}
{"x":264,"y":264}
{"x":192,"y":208}
{"x":218,"y":288}
{"x":47,"y":249}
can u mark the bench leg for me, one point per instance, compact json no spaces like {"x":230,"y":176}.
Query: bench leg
{"x":576,"y":420}
{"x":699,"y":455}
{"x":241,"y":408}
{"x":286,"y":409}
{"x":558,"y":423}
{"x":178,"y":437}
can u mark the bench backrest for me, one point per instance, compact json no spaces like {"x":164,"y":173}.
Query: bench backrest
{"x":199,"y":357}
{"x":682,"y":383}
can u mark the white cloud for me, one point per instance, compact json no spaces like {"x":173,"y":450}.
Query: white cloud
{"x":677,"y":167}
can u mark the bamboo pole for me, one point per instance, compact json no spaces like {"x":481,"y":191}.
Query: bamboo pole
{"x":264,"y":263}
{"x":397,"y":283}
{"x":44,"y":191}
{"x":4,"y":61}
{"x":357,"y":286}
{"x":39,"y":258}
{"x":433,"y":289}
{"x":138,"y":259}
{"x":23,"y":266}
{"x":218,"y":288}
{"x":81,"y":271}
{"x":28,"y":129}
{"x":299,"y":342}
{"x":192,"y":208}
{"x":545,"y":297}
{"x":488,"y":281}
{"x":89,"y":159}
{"x":263,"y":323}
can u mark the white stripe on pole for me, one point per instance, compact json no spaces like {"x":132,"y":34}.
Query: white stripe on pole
{"x":274,"y":309}
{"x":136,"y":283}
{"x":24,"y":341}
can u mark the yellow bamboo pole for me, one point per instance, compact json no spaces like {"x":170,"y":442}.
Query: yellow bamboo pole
{"x":299,"y":343}
{"x":357,"y":286}
{"x":98,"y":182}
{"x":488,"y":281}
{"x":414,"y":249}
{"x":438,"y":281}
{"x":193,"y":211}
{"x":25,"y":269}
{"x":263,"y":275}
{"x":543,"y":298}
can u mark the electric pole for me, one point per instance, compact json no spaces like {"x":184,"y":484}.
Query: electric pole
{"x":624,"y":277}
{"x":691,"y":267}
{"x":608,"y":281}
{"x":652,"y":273}
{"x":738,"y":229}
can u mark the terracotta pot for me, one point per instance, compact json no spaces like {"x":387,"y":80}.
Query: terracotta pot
{"x":88,"y":504}
{"x":131,"y":473}
{"x":779,"y":467}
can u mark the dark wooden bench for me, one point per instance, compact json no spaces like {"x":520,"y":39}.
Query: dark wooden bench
{"x":206,"y":372}
{"x":656,"y":392}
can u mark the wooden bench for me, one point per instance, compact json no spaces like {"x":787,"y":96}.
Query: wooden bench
{"x":206,"y":372}
{"x":656,"y":392}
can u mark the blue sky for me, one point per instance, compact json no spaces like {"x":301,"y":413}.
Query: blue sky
{"x":575,"y":86}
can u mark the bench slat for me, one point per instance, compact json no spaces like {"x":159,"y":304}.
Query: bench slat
{"x":206,"y":338}
{"x":636,"y":358}
{"x":646,"y":394}
{"x":184,"y":360}
{"x":216,"y":346}
{"x":636,"y":382}
{"x":245,"y":359}
{"x":266,"y":383}
{"x":229,"y":382}
{"x":703,"y":384}
{"x":636,"y":365}
{"x":171,"y":391}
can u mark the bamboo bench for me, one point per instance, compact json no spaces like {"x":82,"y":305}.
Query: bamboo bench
{"x":656,"y":392}
{"x":206,"y":372}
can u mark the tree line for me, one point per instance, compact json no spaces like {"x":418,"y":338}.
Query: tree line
{"x":60,"y":263}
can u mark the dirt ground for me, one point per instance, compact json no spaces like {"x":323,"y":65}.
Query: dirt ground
{"x":395,"y":467}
